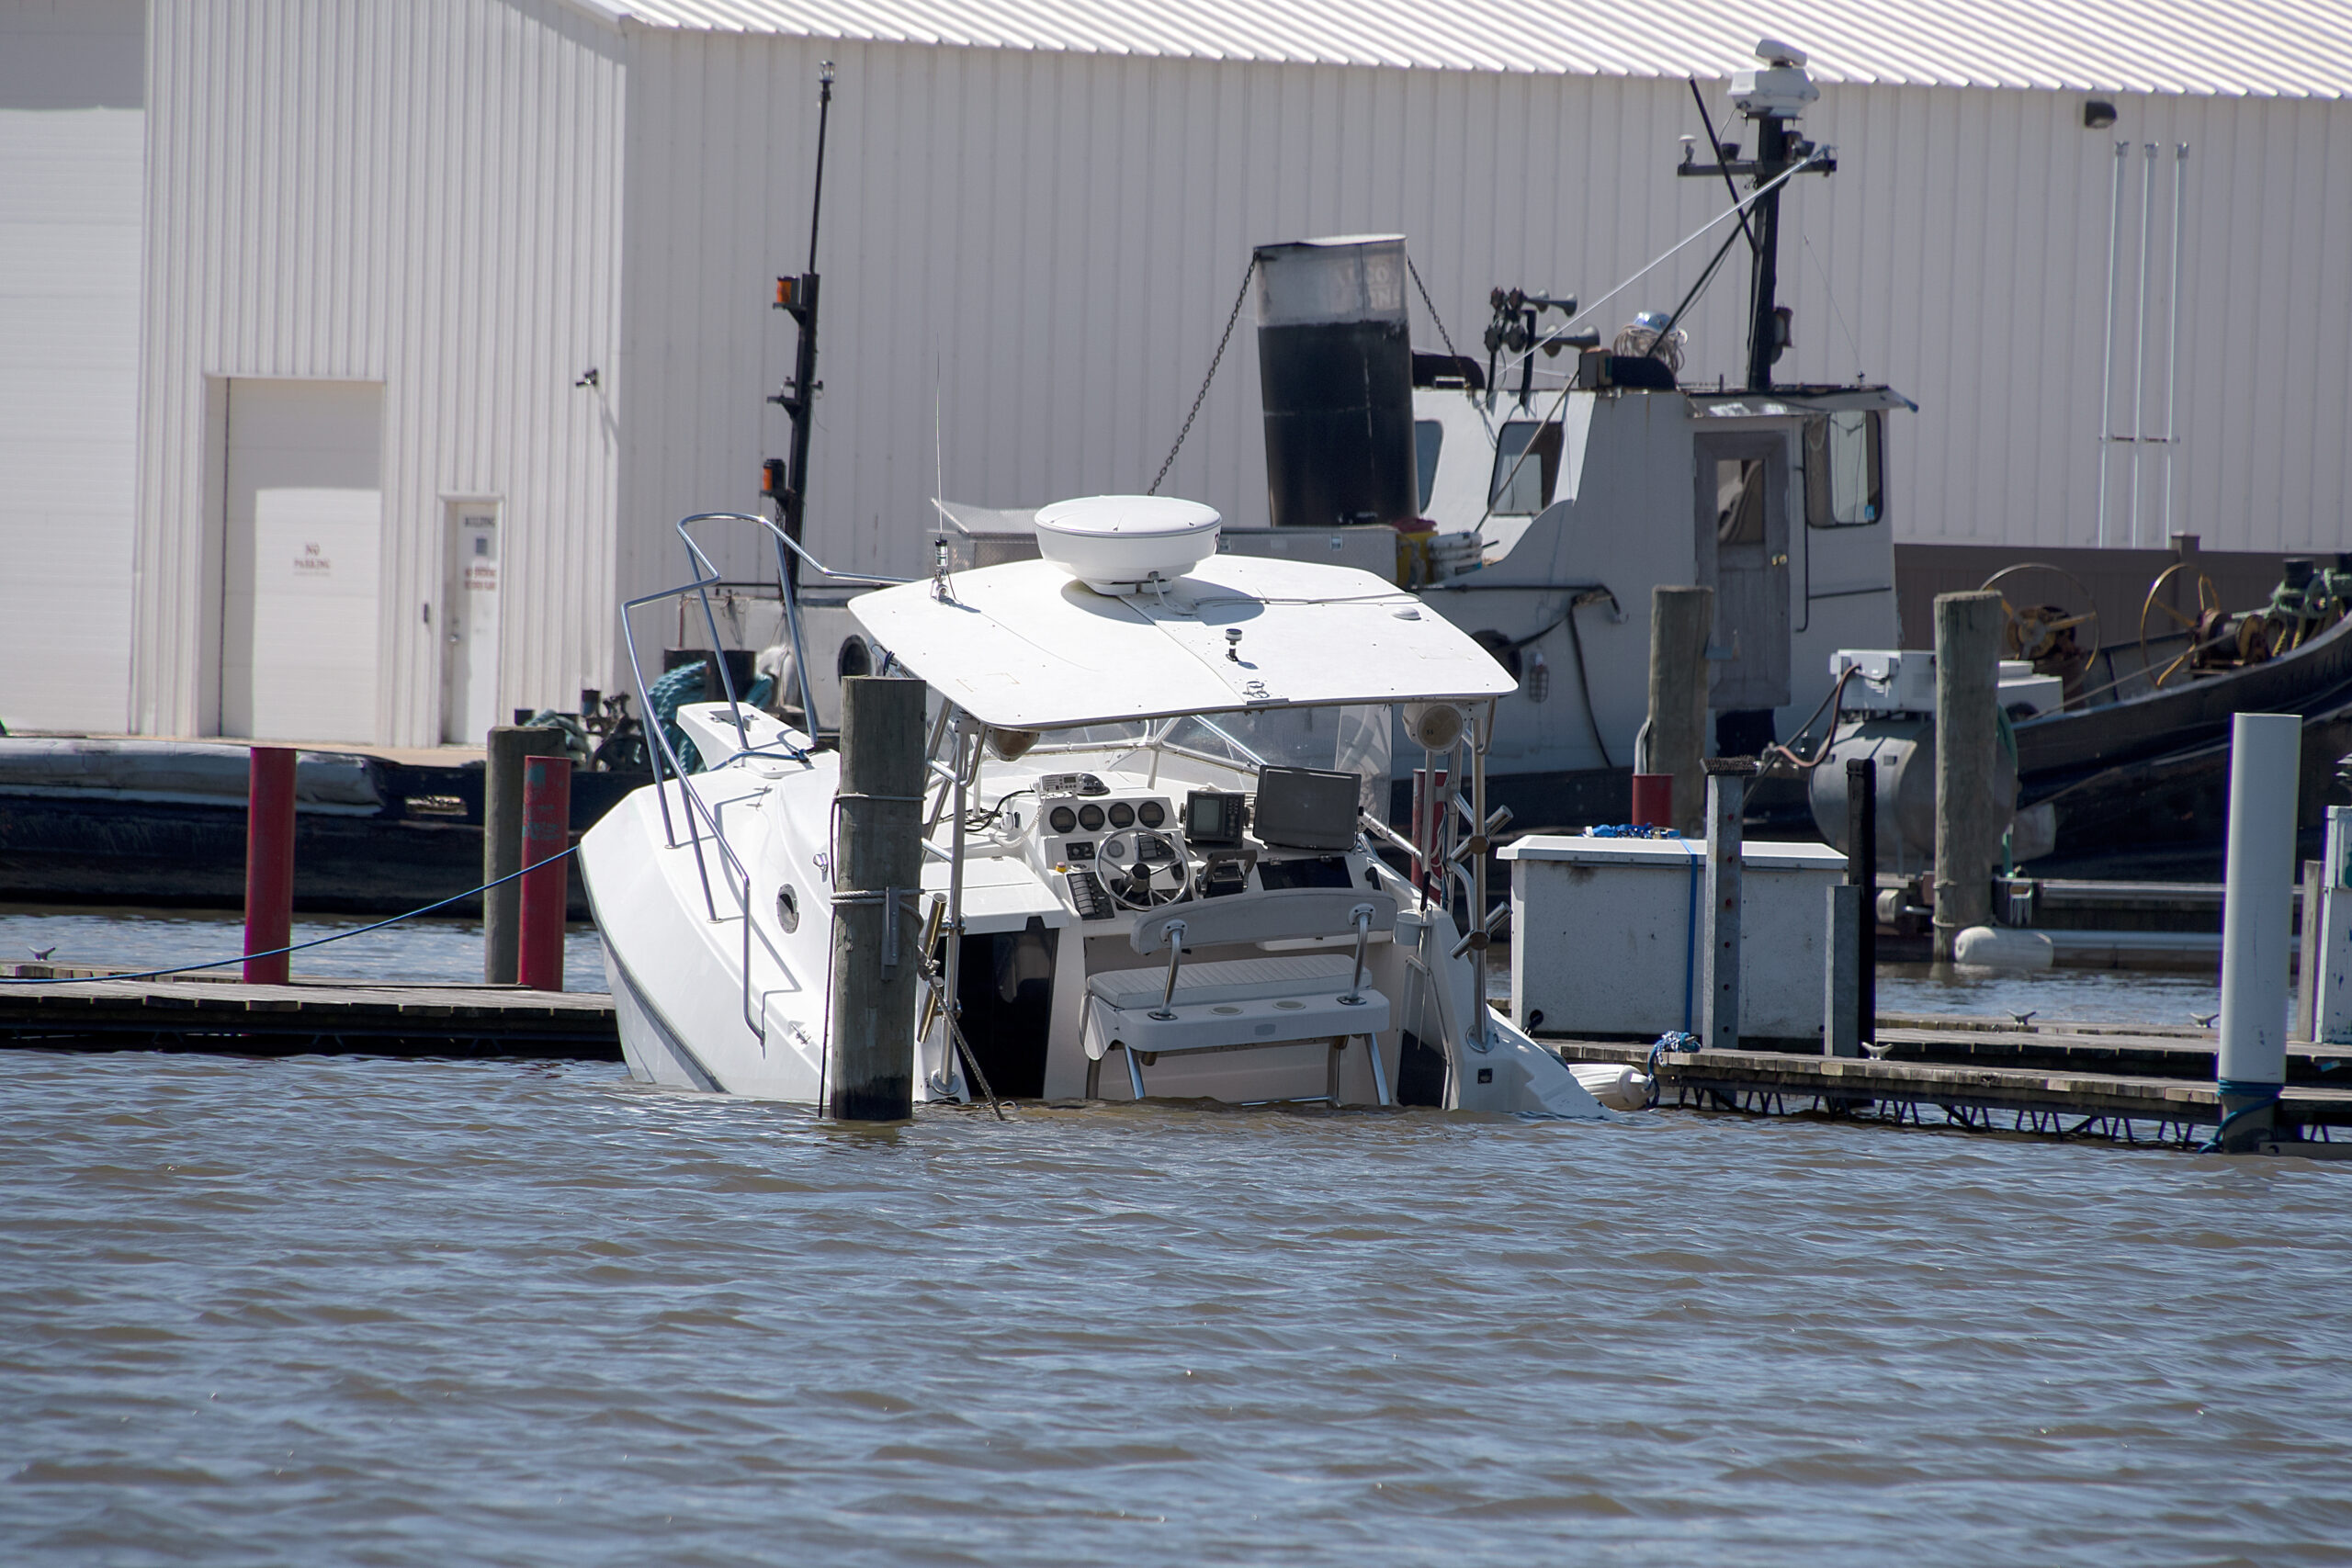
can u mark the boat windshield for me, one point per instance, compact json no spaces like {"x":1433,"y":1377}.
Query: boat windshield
{"x":1350,"y":739}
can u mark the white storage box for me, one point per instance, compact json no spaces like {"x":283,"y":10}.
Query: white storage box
{"x":1603,"y":940}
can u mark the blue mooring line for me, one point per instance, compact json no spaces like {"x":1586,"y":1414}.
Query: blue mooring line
{"x":2268,"y":1093}
{"x":273,"y":952}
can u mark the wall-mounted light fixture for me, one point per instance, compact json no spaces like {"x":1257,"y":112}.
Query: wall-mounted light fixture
{"x":590,"y":380}
{"x":2098,"y":114}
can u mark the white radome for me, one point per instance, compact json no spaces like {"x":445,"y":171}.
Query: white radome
{"x":1115,"y":544}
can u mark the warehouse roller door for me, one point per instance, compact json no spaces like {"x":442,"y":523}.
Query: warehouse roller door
{"x":303,"y":514}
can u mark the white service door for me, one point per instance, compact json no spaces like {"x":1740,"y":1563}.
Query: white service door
{"x":300,"y":570}
{"x":470,"y":623}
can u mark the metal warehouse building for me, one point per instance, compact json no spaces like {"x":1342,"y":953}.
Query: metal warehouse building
{"x":359,"y":353}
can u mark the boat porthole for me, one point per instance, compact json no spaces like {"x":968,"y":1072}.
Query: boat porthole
{"x":787,"y":910}
{"x":1225,"y":1010}
{"x":1290,"y":1007}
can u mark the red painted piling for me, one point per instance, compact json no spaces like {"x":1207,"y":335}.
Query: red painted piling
{"x":1653,"y":800}
{"x":547,"y":829}
{"x":269,"y":862}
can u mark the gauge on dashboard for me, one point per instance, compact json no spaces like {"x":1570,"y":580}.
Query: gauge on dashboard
{"x":1151,"y":814}
{"x":1090,"y":816}
{"x":1064,"y":820}
{"x":1122,"y":815}
{"x":1115,"y":848}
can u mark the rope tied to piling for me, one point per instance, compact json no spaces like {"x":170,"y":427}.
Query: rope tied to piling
{"x":1679,"y":1042}
{"x":2264,"y":1097}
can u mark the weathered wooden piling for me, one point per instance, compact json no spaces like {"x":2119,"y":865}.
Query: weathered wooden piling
{"x":1727,"y":806}
{"x":1861,"y":871}
{"x":1968,"y":817}
{"x":876,"y":936}
{"x":269,"y":863}
{"x":501,"y":843}
{"x":547,"y":832}
{"x":1682,"y":620}
{"x":2250,"y":1069}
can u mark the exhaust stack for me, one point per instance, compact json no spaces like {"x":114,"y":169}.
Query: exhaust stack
{"x":1335,"y":370}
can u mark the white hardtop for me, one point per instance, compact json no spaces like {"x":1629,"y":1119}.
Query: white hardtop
{"x":1022,"y":646}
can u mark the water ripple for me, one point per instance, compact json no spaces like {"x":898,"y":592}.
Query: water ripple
{"x":349,"y":1309}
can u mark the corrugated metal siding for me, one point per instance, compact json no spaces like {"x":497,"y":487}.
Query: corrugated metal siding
{"x":425,"y":195}
{"x":2170,"y":46}
{"x":1047,"y":245}
{"x":70,"y":149}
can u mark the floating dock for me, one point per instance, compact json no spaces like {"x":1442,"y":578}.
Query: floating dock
{"x":308,"y":1018}
{"x":2132,"y":1085}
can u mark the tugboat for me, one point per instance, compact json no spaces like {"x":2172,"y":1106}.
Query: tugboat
{"x":1535,"y":507}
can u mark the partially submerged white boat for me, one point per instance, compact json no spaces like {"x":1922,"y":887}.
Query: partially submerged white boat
{"x":1153,"y":844}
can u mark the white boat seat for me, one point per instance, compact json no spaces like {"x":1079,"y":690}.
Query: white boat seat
{"x":1247,"y":1003}
{"x":1234,"y":979}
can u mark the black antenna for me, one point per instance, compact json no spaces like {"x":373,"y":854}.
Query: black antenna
{"x":788,"y":484}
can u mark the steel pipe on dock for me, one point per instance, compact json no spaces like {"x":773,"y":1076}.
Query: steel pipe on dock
{"x":2258,"y":886}
{"x":269,"y":865}
{"x":547,"y":833}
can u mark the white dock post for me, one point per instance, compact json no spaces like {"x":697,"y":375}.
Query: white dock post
{"x":1727,"y":806}
{"x":2329,"y":904}
{"x":2257,"y":890}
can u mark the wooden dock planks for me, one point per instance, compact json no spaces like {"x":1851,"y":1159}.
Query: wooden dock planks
{"x":309,"y":1017}
{"x":1972,"y":1070}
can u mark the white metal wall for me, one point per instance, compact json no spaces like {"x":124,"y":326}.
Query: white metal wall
{"x":70,"y":148}
{"x":1044,"y":246}
{"x":425,"y":195}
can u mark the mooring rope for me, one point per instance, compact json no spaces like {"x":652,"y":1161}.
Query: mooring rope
{"x":296,"y":947}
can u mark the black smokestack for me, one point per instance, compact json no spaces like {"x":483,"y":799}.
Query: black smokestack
{"x":1335,"y":370}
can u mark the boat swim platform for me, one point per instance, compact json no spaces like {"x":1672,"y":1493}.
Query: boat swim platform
{"x":307,"y":1018}
{"x":2128,"y":1085}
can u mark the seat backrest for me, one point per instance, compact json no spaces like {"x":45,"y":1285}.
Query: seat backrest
{"x":1265,"y":916}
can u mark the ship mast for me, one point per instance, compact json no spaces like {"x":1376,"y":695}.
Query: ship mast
{"x":1772,"y":97}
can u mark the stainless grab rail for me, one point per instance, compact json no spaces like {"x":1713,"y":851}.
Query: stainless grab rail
{"x":692,"y":806}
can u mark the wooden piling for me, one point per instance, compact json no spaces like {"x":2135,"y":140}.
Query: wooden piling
{"x":269,"y":863}
{"x":1969,"y":819}
{"x":1682,"y":619}
{"x":502,"y":843}
{"x":876,"y":934}
{"x":1861,"y":871}
{"x":1726,"y":807}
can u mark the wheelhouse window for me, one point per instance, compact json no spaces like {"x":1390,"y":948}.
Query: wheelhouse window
{"x":1844,"y":482}
{"x":1429,"y":435}
{"x":1739,"y":501}
{"x":1524,"y":488}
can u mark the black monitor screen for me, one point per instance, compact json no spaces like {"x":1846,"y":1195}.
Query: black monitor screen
{"x":1305,"y":809}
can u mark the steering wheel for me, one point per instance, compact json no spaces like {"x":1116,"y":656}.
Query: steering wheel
{"x":1136,"y":882}
{"x":2204,"y":628}
{"x":2051,"y":636}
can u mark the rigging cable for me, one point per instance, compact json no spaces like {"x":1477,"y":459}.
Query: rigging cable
{"x":1447,"y":338}
{"x":1217,"y":359}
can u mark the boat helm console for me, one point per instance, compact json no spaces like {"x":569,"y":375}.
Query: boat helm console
{"x":1118,"y":847}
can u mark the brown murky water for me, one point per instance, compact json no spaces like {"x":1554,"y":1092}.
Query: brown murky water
{"x":355,"y":1311}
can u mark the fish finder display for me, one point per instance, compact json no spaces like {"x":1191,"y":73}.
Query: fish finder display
{"x":1212,"y":818}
